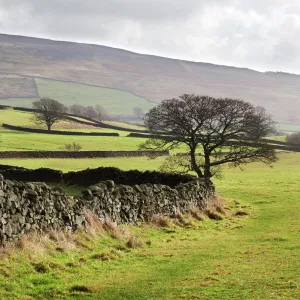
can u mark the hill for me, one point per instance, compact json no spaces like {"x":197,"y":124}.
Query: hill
{"x":25,"y":61}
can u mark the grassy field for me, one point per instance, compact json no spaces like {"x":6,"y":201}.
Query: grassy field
{"x":23,"y":141}
{"x":73,"y":93}
{"x":66,"y":165}
{"x":26,"y":119}
{"x":288,"y":127}
{"x":250,"y":257}
{"x":18,"y":102}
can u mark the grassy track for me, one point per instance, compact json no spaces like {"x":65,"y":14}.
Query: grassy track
{"x":252,"y":257}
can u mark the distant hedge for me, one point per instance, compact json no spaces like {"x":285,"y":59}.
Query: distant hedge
{"x":18,"y":128}
{"x":79,"y":154}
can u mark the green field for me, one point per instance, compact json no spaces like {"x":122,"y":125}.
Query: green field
{"x":288,"y":127}
{"x":66,"y":165}
{"x":251,"y":257}
{"x":23,"y":141}
{"x":116,"y":102}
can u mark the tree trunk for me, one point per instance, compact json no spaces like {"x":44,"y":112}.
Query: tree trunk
{"x":207,"y":173}
{"x":49,"y":127}
{"x":195,"y":167}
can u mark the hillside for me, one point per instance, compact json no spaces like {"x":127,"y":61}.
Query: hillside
{"x":24,"y":61}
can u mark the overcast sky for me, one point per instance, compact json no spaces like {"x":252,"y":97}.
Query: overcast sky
{"x":259,"y":34}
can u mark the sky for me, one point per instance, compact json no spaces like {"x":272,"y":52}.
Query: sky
{"x":258,"y":34}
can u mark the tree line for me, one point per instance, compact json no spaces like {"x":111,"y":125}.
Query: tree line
{"x":51,"y":111}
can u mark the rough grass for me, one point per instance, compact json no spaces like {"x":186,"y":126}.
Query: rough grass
{"x":253,"y":256}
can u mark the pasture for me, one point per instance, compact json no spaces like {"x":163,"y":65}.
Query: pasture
{"x":249,"y":255}
{"x":116,"y":102}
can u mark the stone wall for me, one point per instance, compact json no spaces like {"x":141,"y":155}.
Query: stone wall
{"x":92,"y":176}
{"x":130,"y":204}
{"x":36,"y":206}
{"x":59,"y":132}
{"x":79,"y":154}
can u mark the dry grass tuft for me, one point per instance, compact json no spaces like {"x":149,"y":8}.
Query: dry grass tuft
{"x":161,"y":221}
{"x":111,"y":254}
{"x":94,"y":225}
{"x":241,"y":213}
{"x":180,"y":218}
{"x":134,"y":242}
{"x":196,"y":214}
{"x":41,"y":267}
{"x":80,"y":288}
{"x":215,"y":208}
{"x":4,"y":273}
{"x":213,"y":214}
{"x":112,"y":229}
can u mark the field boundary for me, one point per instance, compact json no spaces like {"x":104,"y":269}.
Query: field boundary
{"x":76,"y":133}
{"x":78,"y":154}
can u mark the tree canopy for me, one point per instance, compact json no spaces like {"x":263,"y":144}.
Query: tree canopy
{"x":216,"y":131}
{"x":293,"y":138}
{"x":49,"y":112}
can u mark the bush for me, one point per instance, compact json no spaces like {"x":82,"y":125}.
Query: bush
{"x":293,"y":138}
{"x":73,"y":147}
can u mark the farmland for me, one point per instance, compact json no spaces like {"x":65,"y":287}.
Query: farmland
{"x":250,"y":254}
{"x":115,"y":102}
{"x":250,"y":257}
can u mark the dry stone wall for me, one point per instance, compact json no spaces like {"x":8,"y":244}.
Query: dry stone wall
{"x":130,"y":204}
{"x":36,"y":206}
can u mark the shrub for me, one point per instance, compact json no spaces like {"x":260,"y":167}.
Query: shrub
{"x":293,"y":138}
{"x":73,"y":147}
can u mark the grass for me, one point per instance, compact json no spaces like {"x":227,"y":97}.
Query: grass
{"x":74,"y":93}
{"x":288,"y":127}
{"x":18,"y":102}
{"x":244,"y":256}
{"x":23,"y":141}
{"x":66,"y":165}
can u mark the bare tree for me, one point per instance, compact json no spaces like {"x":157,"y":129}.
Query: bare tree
{"x":224,"y":131}
{"x":49,"y":112}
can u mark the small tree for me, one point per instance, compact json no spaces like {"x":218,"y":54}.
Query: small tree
{"x":293,"y":138}
{"x":49,"y":112}
{"x":100,"y":112}
{"x":90,"y":112}
{"x":224,"y":131}
{"x":77,"y":109}
{"x":138,"y":112}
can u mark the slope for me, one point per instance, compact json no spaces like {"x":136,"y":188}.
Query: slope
{"x":151,"y":77}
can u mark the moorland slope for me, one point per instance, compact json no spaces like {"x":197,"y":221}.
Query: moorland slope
{"x":23,"y":60}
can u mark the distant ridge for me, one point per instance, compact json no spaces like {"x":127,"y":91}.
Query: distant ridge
{"x":152,"y":77}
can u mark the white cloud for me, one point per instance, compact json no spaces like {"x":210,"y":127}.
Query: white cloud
{"x":250,"y":33}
